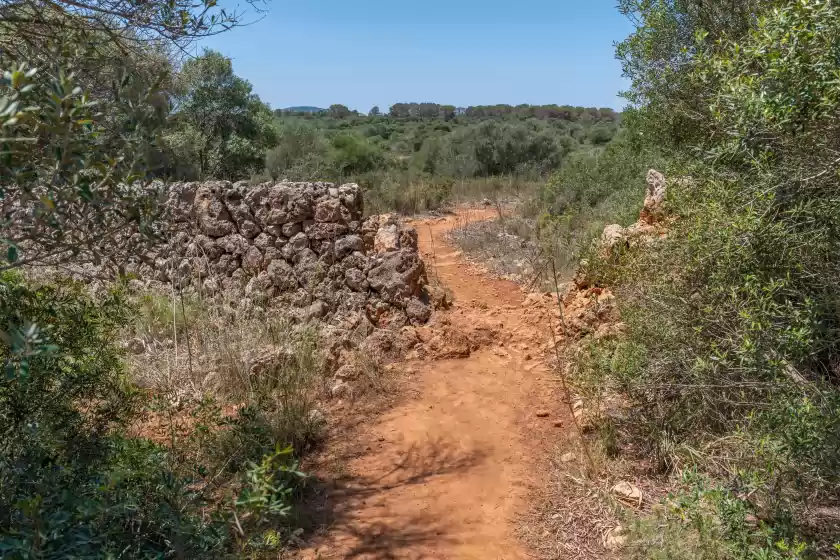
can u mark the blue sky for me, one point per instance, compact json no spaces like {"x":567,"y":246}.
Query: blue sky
{"x":461,"y":52}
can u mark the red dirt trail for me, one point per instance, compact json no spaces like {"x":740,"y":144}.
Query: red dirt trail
{"x":448,"y":470}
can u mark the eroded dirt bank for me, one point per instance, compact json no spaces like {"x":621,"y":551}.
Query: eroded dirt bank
{"x":445,"y":473}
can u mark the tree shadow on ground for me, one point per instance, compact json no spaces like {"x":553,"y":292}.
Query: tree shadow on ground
{"x":344,"y":525}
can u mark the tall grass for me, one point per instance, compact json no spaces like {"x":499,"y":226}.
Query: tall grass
{"x":233,"y":354}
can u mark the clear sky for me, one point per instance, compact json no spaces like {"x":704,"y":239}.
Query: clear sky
{"x":461,"y":52}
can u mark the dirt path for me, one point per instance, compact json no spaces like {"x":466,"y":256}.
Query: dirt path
{"x":444,"y":473}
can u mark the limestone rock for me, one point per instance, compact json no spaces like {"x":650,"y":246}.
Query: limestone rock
{"x":253,"y":259}
{"x":627,"y":492}
{"x":615,"y":538}
{"x":347,"y":245}
{"x":263,"y":241}
{"x":241,"y":213}
{"x":270,"y":254}
{"x":331,"y":210}
{"x":282,"y":275}
{"x":180,"y":201}
{"x":213,"y":216}
{"x":339,"y":389}
{"x":387,"y":239}
{"x":226,"y":265}
{"x":408,"y":238}
{"x":234,"y":243}
{"x":317,"y":310}
{"x":418,"y":311}
{"x":203,"y":246}
{"x":612,"y":235}
{"x":356,"y":280}
{"x":325,"y":230}
{"x":400,"y":275}
{"x":291,"y":229}
{"x":307,"y":270}
{"x":260,"y":286}
{"x":652,"y":209}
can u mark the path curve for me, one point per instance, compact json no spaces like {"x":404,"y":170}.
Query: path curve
{"x":447,"y":471}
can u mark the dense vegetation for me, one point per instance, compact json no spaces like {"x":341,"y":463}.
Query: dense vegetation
{"x":413,"y":157}
{"x":728,"y":366}
{"x":87,"y":120}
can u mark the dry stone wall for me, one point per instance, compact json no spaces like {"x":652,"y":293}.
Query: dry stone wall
{"x":303,"y":246}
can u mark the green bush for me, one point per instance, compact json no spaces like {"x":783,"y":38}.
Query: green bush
{"x":409,"y":165}
{"x":589,"y":191}
{"x":354,"y":154}
{"x":74,"y":483}
{"x":729,"y":361}
{"x":301,"y":154}
{"x":706,"y":521}
{"x":71,"y":483}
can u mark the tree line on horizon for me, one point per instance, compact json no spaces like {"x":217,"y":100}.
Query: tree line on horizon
{"x":448,"y":112}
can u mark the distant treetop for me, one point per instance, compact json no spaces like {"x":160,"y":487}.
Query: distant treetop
{"x":301,"y":109}
{"x":564,"y":112}
{"x":423,"y":111}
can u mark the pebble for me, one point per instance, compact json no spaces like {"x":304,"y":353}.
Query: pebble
{"x":542,"y":414}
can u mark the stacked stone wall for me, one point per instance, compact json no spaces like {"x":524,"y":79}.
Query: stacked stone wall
{"x":303,"y":246}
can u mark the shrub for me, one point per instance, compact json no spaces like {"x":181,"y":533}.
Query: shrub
{"x":301,"y":154}
{"x":75,"y":483}
{"x":355,"y":154}
{"x":735,"y":312}
{"x":706,"y":521}
{"x":589,"y":191}
{"x":71,"y":483}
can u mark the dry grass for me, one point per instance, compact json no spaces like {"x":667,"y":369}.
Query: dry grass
{"x":503,"y":245}
{"x":189,"y":349}
{"x":195,"y":347}
{"x":495,"y":189}
{"x":572,"y":517}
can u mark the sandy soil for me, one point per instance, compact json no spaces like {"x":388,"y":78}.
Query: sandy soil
{"x":446,"y":471}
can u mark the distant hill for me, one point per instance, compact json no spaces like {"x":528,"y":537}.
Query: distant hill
{"x":303,"y":109}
